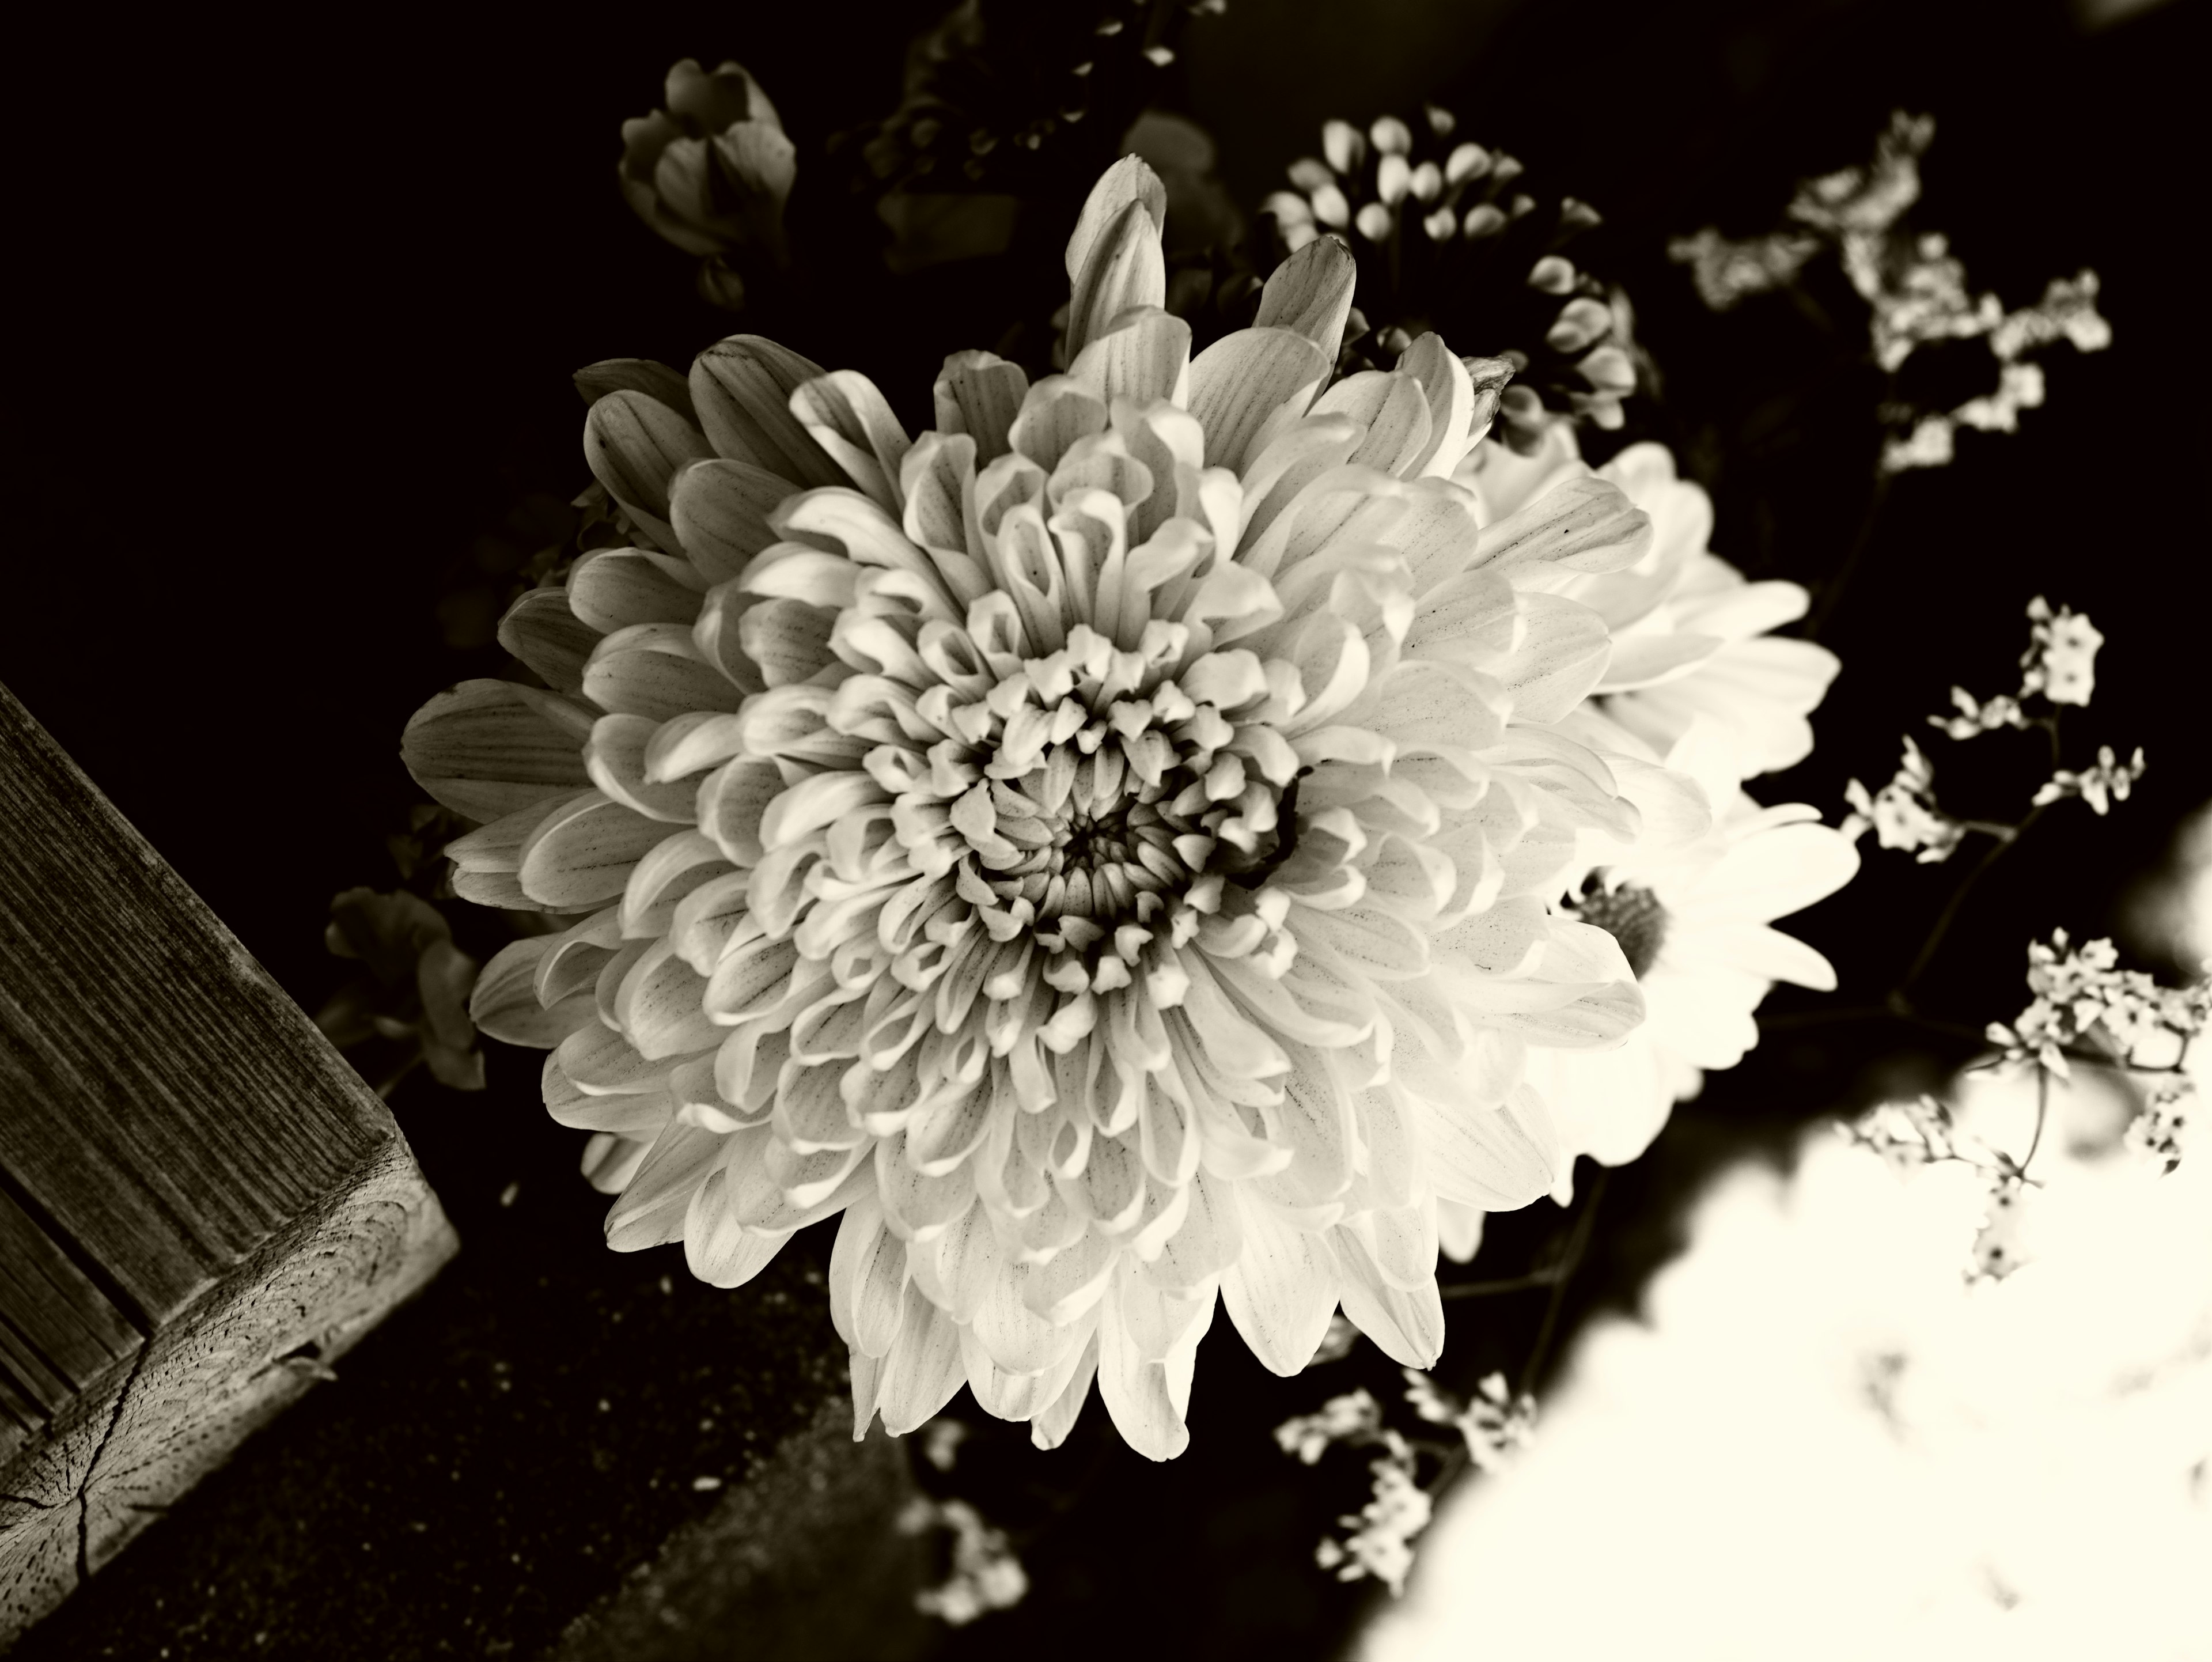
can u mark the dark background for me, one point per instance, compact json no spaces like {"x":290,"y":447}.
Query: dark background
{"x":295,"y":311}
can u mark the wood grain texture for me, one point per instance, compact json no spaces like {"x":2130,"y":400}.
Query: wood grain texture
{"x":201,"y":1204}
{"x":59,"y":1333}
{"x":166,"y":1105}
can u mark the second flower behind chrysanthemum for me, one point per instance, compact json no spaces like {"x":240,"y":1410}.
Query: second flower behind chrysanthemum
{"x":1102,"y":847}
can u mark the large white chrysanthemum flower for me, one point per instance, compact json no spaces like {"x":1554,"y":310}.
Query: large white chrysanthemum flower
{"x":1692,"y":638}
{"x":1102,"y":847}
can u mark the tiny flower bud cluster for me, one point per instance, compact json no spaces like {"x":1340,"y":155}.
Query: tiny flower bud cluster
{"x":1447,"y":240}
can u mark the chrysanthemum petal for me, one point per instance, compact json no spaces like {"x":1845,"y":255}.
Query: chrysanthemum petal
{"x":656,"y":380}
{"x":1309,"y":294}
{"x":611,"y":1160}
{"x":719,"y":509}
{"x":615,"y":588}
{"x":979,"y":393}
{"x":1050,"y":1426}
{"x":653,"y":1204}
{"x":742,"y":388}
{"x":541,"y":630}
{"x":1121,"y":269}
{"x":1392,"y":409}
{"x":1581,"y":524}
{"x":654,"y":670}
{"x":582,"y":856}
{"x":1281,"y":1290}
{"x":1140,"y":1395}
{"x":1407,"y":1326}
{"x":1249,"y":387}
{"x":488,"y":749}
{"x":848,"y":417}
{"x":716,"y":1249}
{"x":1131,"y":180}
{"x":922,"y":1370}
{"x":635,"y":444}
{"x":1143,"y":357}
{"x":1495,"y":1155}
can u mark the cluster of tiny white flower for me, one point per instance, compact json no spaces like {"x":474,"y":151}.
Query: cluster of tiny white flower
{"x":1914,"y":289}
{"x":1904,"y":813}
{"x":2083,"y":997}
{"x":2059,"y":667}
{"x":1494,"y":1423}
{"x":2108,"y":781}
{"x":2085,"y":1009}
{"x":986,"y":1575}
{"x":1492,"y":1426}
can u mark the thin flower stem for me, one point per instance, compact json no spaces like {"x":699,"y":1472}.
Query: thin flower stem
{"x":1576,"y":1244}
{"x":1511,"y":1284}
{"x":1833,"y":595}
{"x":1900,"y":1000}
{"x":2042,"y":1109}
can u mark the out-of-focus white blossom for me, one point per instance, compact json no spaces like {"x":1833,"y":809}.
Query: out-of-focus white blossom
{"x":1916,"y":290}
{"x":1356,"y":1416}
{"x":1379,"y":1539}
{"x":986,"y":1574}
{"x":1978,"y":716}
{"x":1494,"y":1423}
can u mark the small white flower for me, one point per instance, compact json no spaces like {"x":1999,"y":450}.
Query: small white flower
{"x":1904,"y":814}
{"x":2061,"y":659}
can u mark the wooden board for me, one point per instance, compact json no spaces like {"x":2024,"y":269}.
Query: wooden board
{"x":200,"y":1201}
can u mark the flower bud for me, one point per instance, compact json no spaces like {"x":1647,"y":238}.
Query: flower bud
{"x":1391,"y":136}
{"x":1482,"y":220}
{"x":1344,"y":144}
{"x":1466,"y":161}
{"x":1553,"y":275}
{"x":1393,"y":179}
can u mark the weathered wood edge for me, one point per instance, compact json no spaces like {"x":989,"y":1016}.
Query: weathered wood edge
{"x":151,"y":1426}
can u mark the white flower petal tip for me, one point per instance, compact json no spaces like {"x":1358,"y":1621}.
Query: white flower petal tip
{"x":1110,"y":847}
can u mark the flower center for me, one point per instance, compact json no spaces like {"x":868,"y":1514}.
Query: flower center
{"x":1091,"y":799}
{"x":1632,"y":916}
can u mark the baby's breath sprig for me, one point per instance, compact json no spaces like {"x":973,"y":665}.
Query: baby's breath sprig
{"x":1494,"y":1424}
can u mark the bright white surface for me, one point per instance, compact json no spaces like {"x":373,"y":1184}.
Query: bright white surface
{"x":1827,"y":1445}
